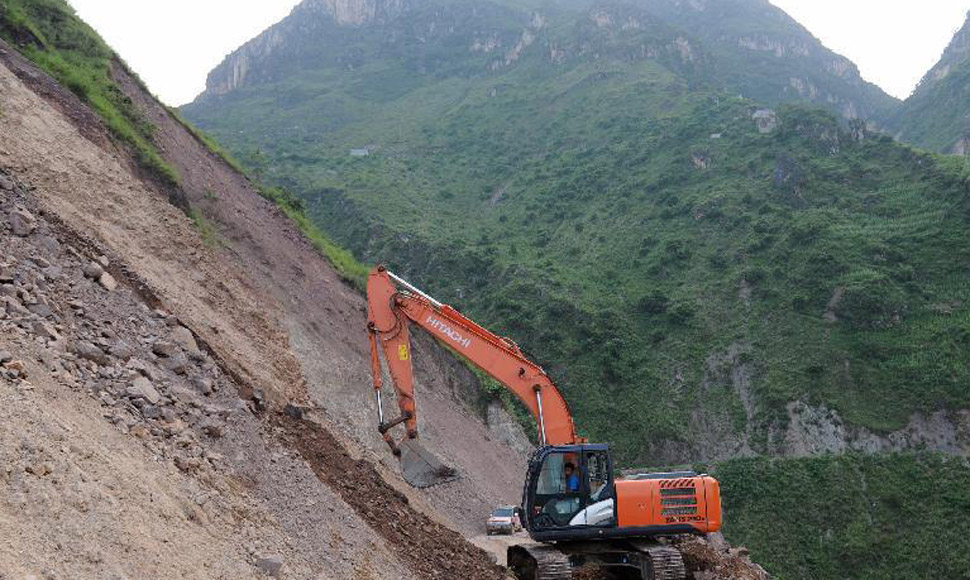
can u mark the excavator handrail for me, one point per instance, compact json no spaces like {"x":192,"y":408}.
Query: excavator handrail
{"x":393,"y":304}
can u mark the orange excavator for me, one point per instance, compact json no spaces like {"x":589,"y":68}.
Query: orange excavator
{"x":581,"y":514}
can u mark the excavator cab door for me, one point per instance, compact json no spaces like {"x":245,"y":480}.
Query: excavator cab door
{"x":569,"y":488}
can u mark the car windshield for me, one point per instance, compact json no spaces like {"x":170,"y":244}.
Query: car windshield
{"x":502,"y":513}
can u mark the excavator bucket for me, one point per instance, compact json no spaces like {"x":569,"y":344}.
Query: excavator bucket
{"x":421,"y":468}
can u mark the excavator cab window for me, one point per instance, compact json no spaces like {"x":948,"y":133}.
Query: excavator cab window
{"x":557,"y":498}
{"x":573,"y":487}
{"x":599,"y":508}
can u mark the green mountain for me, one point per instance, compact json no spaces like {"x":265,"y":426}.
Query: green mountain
{"x":937,"y":115}
{"x":644,"y":196}
{"x":745,"y":47}
{"x":851,"y":516}
{"x":717,"y":275}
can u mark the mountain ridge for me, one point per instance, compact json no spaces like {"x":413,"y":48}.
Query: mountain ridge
{"x":834,"y":82}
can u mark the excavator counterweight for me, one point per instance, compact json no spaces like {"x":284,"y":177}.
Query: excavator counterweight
{"x":570,"y":498}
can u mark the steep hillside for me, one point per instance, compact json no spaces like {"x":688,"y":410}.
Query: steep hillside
{"x":122,"y":434}
{"x":937,"y":115}
{"x":254,"y":304}
{"x":294,"y":339}
{"x":164,"y":338}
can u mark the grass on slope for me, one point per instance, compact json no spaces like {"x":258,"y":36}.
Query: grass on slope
{"x":872,"y":517}
{"x":50,"y":34}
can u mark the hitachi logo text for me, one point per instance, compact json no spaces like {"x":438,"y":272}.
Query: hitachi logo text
{"x":449,"y":332}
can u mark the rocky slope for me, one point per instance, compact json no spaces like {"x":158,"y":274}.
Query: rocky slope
{"x":124,"y":437}
{"x":767,"y":56}
{"x":288,"y":327}
{"x":936,"y":116}
{"x":158,"y":381}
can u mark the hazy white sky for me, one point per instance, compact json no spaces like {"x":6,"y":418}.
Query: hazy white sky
{"x":172,"y":45}
{"x":894,"y":42}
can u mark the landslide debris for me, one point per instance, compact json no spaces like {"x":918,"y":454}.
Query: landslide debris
{"x":107,"y":448}
{"x":430,"y":549}
{"x":253,"y":305}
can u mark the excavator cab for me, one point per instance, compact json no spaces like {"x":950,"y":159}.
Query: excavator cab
{"x":569,"y":491}
{"x":598,"y":505}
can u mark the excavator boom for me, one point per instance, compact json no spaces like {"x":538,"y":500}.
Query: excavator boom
{"x":393,"y":305}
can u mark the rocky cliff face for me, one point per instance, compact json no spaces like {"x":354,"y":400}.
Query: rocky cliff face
{"x":355,"y":12}
{"x":309,"y":18}
{"x":782,"y":60}
{"x":745,"y":46}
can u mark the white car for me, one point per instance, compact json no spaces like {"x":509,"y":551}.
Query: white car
{"x":504,"y":520}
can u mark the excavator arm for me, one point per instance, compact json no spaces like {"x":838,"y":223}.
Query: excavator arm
{"x":393,"y":305}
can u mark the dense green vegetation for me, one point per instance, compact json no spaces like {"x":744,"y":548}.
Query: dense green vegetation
{"x":675,"y":269}
{"x":53,"y":37}
{"x":879,"y":517}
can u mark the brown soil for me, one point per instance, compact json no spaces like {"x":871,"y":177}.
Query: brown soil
{"x":89,"y":478}
{"x":430,"y":549}
{"x":83,"y":118}
{"x":324,"y":324}
{"x":277,"y":319}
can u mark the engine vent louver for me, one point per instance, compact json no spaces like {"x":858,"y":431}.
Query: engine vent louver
{"x":682,"y":511}
{"x":678,"y":501}
{"x":680,"y":493}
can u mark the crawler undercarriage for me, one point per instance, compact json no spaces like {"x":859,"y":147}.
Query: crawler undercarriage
{"x":600,"y":560}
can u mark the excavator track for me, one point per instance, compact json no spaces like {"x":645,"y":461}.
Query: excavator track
{"x":654,"y":561}
{"x":660,"y":562}
{"x":537,"y":562}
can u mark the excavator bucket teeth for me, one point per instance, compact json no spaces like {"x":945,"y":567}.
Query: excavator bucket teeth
{"x":421,"y":468}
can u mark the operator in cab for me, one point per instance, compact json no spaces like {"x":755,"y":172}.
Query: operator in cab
{"x":572,"y":480}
